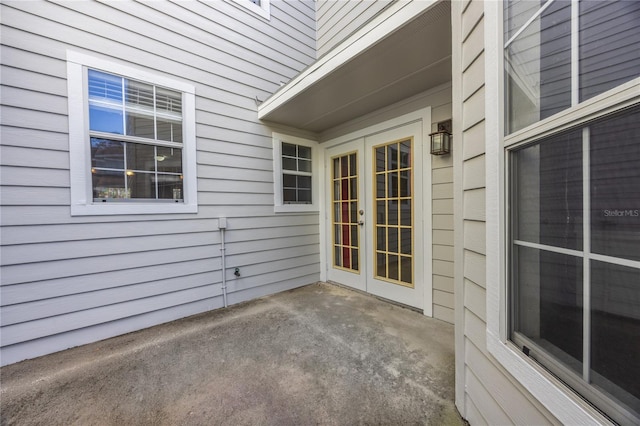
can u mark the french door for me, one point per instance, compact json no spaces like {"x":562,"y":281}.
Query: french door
{"x":375,"y":211}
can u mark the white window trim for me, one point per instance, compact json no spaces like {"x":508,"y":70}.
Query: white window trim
{"x":263,"y":10}
{"x":82,"y":203}
{"x":278,"y":205}
{"x":554,"y":395}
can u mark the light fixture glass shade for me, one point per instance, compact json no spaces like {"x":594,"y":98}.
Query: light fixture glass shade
{"x":440,"y":142}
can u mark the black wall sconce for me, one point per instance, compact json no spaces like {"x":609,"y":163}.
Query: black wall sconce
{"x":441,"y":139}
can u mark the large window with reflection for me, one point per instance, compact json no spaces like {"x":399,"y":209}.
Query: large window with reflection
{"x":574,"y":194}
{"x":559,"y":53}
{"x":136,"y":139}
{"x":575,"y":257}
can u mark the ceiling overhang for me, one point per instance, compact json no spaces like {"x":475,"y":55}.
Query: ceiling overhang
{"x":402,"y":52}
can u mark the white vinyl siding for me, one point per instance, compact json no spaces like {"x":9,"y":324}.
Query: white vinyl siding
{"x":336,"y":20}
{"x":485,"y":392}
{"x":69,"y":280}
{"x":442,"y":225}
{"x":259,"y":7}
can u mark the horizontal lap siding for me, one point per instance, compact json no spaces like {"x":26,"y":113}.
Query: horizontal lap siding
{"x":491,"y":395}
{"x":442,"y":211}
{"x":69,"y":280}
{"x":338,"y":19}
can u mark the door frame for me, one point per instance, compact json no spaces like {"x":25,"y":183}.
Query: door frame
{"x":424,"y":117}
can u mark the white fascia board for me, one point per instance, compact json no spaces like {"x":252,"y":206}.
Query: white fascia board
{"x":387,"y":22}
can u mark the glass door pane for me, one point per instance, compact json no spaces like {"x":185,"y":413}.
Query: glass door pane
{"x":346,"y":231}
{"x":393,"y":191}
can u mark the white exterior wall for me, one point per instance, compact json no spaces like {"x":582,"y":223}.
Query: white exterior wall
{"x":337,"y":19}
{"x":485,"y":392}
{"x":69,"y":280}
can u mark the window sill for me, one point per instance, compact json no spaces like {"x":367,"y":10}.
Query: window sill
{"x":552,"y":393}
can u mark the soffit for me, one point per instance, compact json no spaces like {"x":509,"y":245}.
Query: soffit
{"x":374,"y":71}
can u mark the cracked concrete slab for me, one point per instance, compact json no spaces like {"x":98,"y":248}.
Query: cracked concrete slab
{"x":320,"y":354}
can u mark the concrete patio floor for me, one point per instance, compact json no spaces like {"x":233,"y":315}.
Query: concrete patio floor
{"x":320,"y":354}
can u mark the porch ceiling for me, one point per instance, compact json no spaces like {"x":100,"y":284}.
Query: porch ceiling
{"x":404,"y":51}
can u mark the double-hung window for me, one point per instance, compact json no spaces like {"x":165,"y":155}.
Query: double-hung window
{"x":132,"y":140}
{"x":295,"y":177}
{"x":296,"y":174}
{"x":572,"y":125}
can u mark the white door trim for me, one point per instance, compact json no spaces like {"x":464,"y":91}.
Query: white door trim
{"x":424,"y":117}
